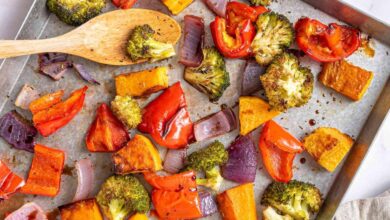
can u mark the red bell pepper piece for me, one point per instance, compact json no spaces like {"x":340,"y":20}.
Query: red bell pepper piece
{"x":167,"y":120}
{"x":9,"y":182}
{"x":236,"y":12}
{"x":278,"y":149}
{"x":124,"y":4}
{"x":49,"y":120}
{"x":44,"y":177}
{"x":326,"y":43}
{"x":230,"y":47}
{"x":175,"y":196}
{"x":172,"y":182}
{"x":172,"y":205}
{"x":278,"y":136}
{"x":107,"y":133}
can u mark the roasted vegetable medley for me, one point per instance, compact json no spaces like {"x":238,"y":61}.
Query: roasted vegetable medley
{"x":148,"y":128}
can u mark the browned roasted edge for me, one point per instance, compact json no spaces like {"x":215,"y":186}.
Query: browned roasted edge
{"x":354,"y":17}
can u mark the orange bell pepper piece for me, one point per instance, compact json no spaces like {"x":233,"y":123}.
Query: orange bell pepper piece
{"x":278,"y":149}
{"x":44,"y":177}
{"x":49,"y":120}
{"x":46,"y":101}
{"x":9,"y":182}
{"x":107,"y":133}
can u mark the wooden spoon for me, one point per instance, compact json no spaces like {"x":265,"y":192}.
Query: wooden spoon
{"x":103,"y":39}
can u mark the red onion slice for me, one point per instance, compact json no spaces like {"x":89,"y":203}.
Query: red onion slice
{"x":191,"y":49}
{"x":85,"y":176}
{"x":251,"y":78}
{"x":242,"y":162}
{"x":28,"y":211}
{"x":215,"y":125}
{"x":174,"y":160}
{"x":84,"y":74}
{"x":217,"y":6}
{"x":56,"y":70}
{"x":26,"y":96}
{"x":208,"y":205}
{"x":17,"y":131}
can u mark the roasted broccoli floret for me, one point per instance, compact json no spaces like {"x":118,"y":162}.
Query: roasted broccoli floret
{"x":260,"y":2}
{"x":270,"y":213}
{"x":296,"y":199}
{"x":127,"y":110}
{"x":211,"y":76}
{"x":208,"y":160}
{"x":75,"y":12}
{"x":121,"y":195}
{"x":286,"y":83}
{"x":142,"y":45}
{"x":274,"y":34}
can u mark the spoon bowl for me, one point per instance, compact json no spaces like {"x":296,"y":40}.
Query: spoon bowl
{"x":102,"y":39}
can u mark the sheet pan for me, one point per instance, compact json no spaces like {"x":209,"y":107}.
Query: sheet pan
{"x":326,"y":108}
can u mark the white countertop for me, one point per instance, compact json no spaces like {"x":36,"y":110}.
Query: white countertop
{"x":373,"y":177}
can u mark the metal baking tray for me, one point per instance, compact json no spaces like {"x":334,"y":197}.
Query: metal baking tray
{"x":326,"y":107}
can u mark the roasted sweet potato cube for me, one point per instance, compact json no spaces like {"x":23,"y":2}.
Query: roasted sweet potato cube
{"x":328,"y":146}
{"x":176,"y":6}
{"x":345,"y":78}
{"x":139,"y":155}
{"x":142,"y":83}
{"x":139,"y":216}
{"x":238,"y":203}
{"x":81,"y":210}
{"x":253,"y":112}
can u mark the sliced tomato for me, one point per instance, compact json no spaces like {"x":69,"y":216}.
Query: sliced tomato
{"x":326,"y":43}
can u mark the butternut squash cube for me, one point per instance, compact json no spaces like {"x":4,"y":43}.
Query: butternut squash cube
{"x":139,"y":216}
{"x":238,"y":203}
{"x":345,"y":78}
{"x":142,"y":83}
{"x":139,"y":155}
{"x":176,"y":6}
{"x":85,"y":209}
{"x":253,"y":112}
{"x":328,"y":146}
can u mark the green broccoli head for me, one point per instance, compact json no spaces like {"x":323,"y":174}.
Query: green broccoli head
{"x":260,"y":2}
{"x":286,"y":83}
{"x":296,"y":199}
{"x":75,"y":12}
{"x":208,"y":160}
{"x":142,"y":45}
{"x":274,"y":34}
{"x":127,"y":110}
{"x":121,"y":195}
{"x":270,"y":213}
{"x":211,"y":76}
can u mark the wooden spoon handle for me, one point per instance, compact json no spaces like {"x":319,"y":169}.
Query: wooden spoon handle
{"x":13,"y":48}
